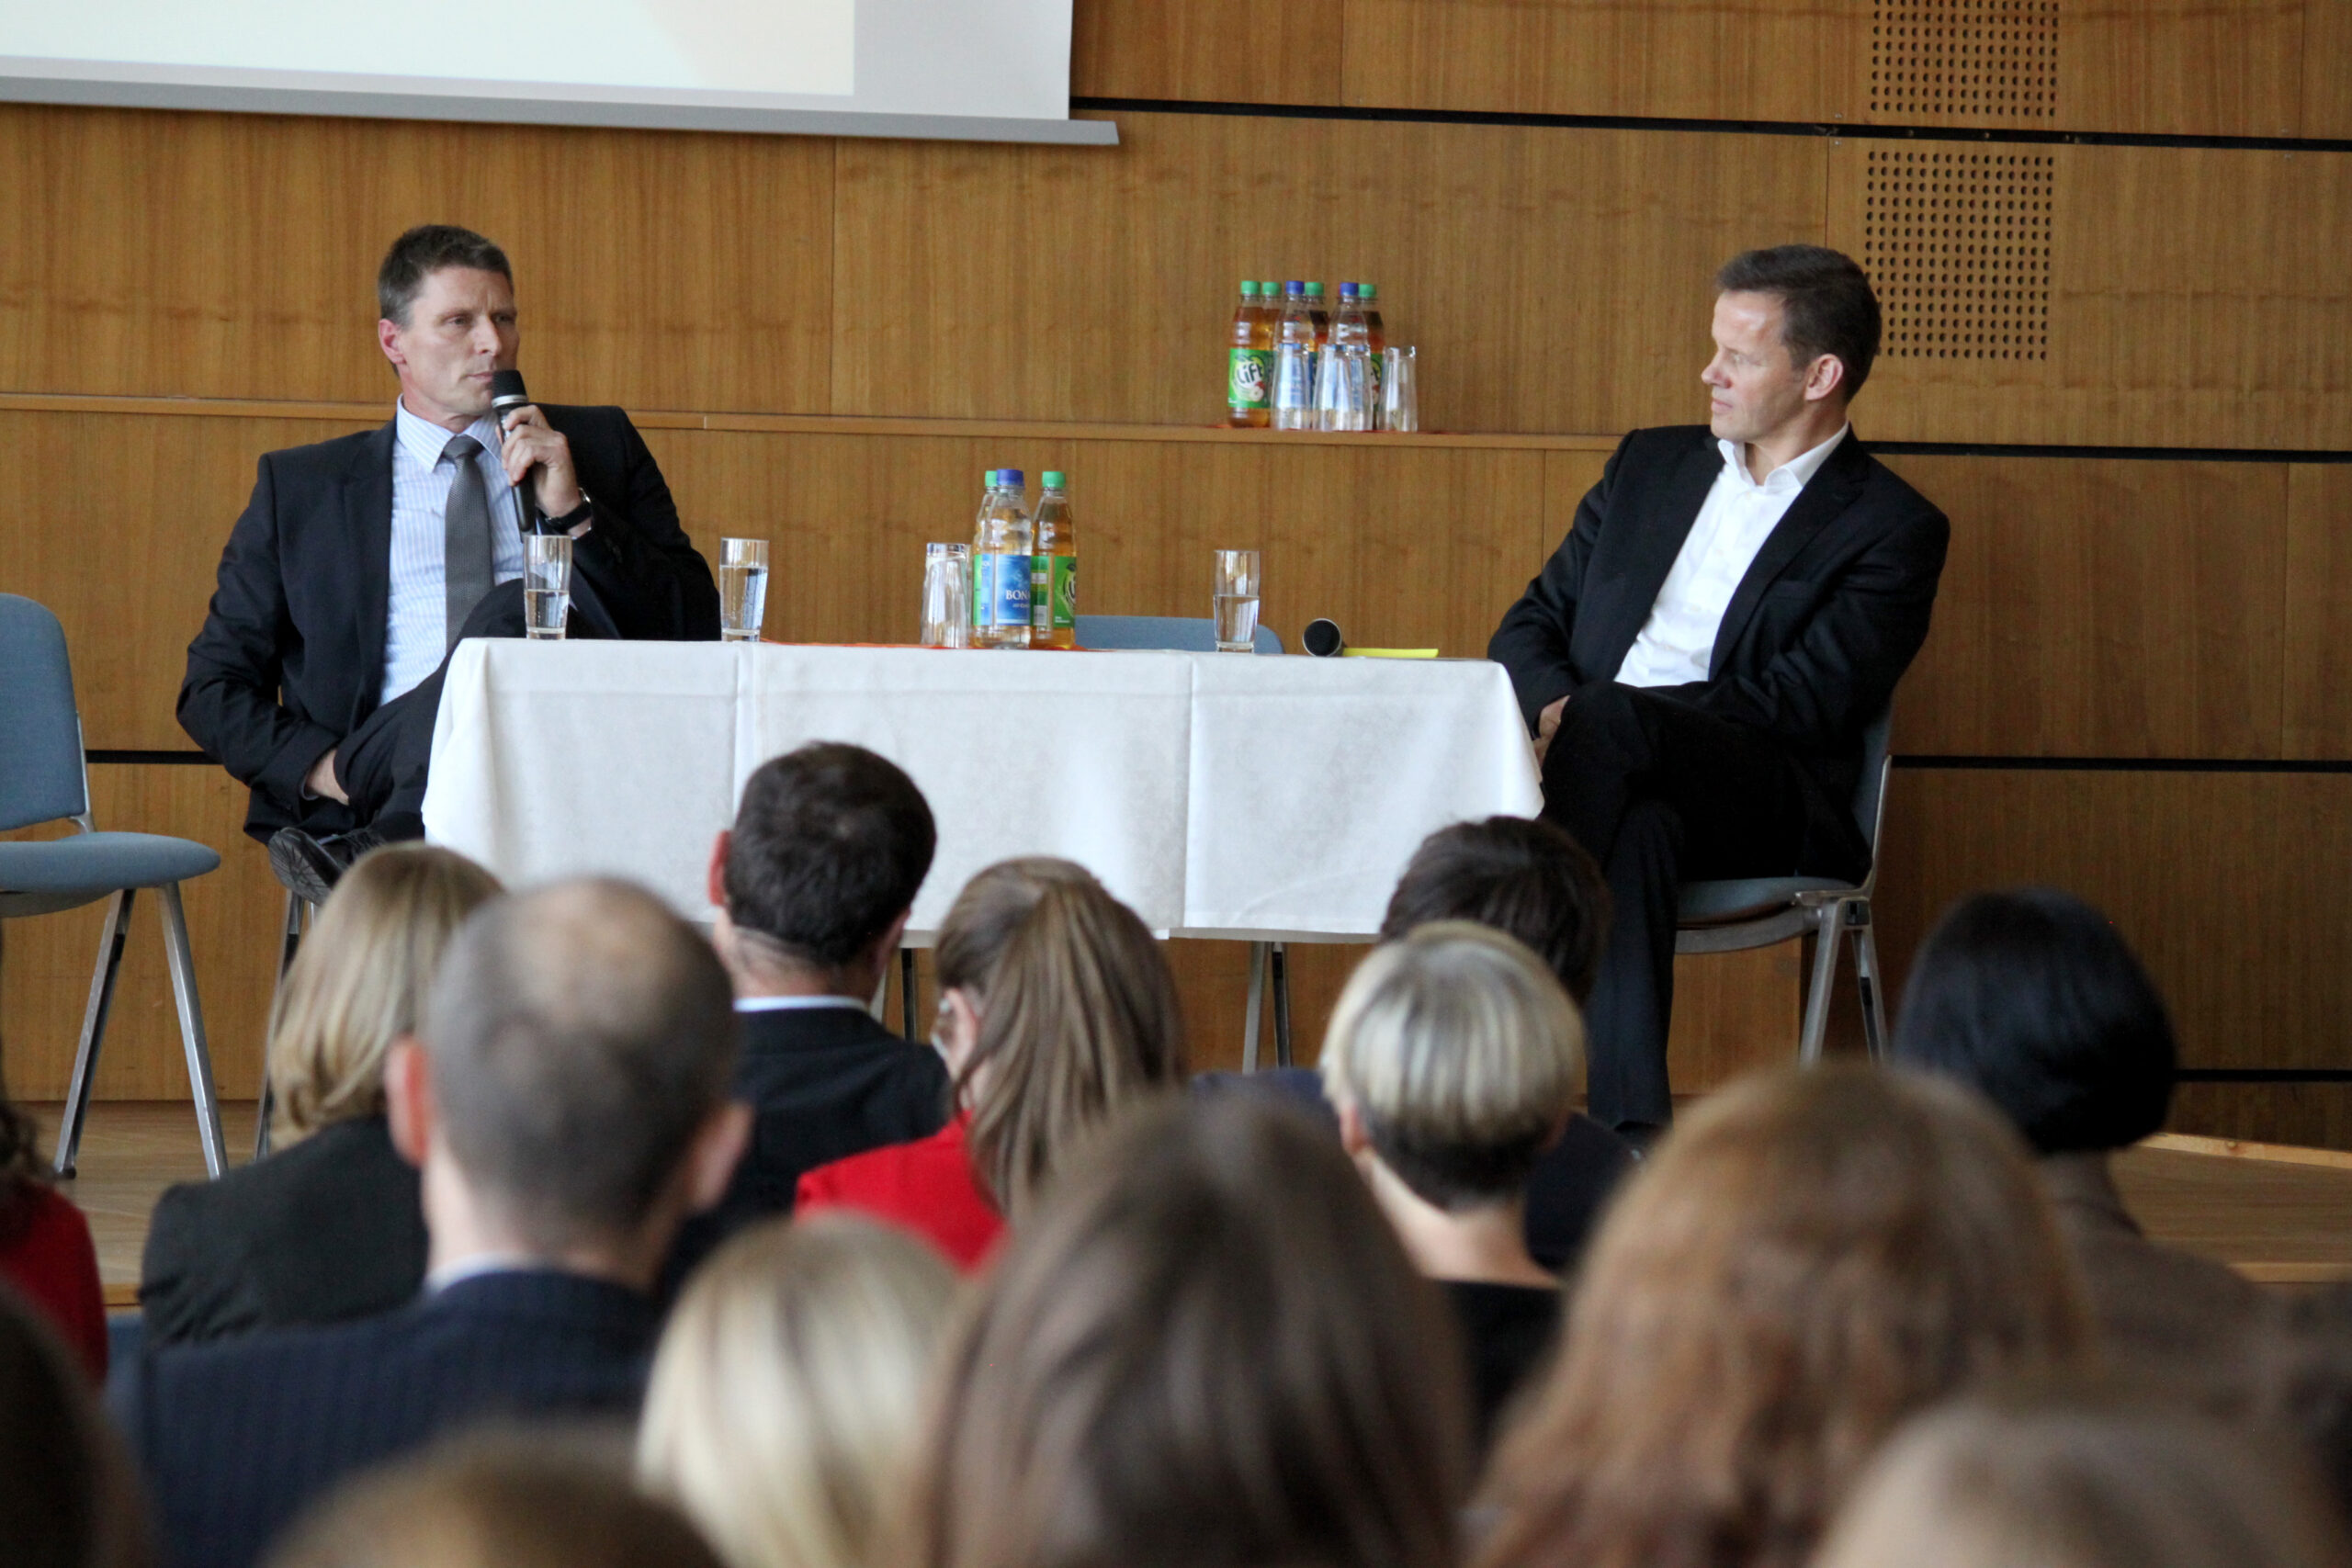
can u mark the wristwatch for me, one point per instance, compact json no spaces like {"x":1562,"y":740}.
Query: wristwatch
{"x":571,"y":519}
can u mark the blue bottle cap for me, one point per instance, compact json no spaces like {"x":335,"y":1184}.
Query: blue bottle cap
{"x":1012,"y":477}
{"x":1294,"y":286}
{"x":1347,"y":291}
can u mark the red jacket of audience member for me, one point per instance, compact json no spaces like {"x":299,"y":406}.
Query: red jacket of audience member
{"x":45,"y":1253}
{"x":926,"y":1186}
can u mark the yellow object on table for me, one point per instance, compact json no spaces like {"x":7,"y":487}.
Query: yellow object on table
{"x":1388,"y":653}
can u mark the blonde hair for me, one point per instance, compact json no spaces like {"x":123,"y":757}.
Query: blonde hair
{"x":360,"y":980}
{"x":1079,"y":1016}
{"x":1809,"y":1258}
{"x":2084,"y":1483}
{"x":1463,"y":1054}
{"x":786,"y":1401}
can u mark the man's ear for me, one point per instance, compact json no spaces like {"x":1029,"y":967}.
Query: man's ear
{"x":717,"y":891}
{"x":1353,"y":1135}
{"x":409,"y":1101}
{"x":1826,"y":379}
{"x":717,"y":1147}
{"x":388,"y":338}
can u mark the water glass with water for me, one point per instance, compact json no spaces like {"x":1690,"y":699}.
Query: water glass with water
{"x":1344,"y":388}
{"x":1400,"y":392}
{"x":946,"y":595}
{"x":547,"y":584}
{"x":742,"y":589}
{"x":1236,"y":600}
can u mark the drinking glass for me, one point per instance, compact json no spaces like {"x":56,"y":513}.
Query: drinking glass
{"x":1236,"y":600}
{"x":1295,"y":386}
{"x":1400,"y":392}
{"x":946,"y":595}
{"x":742,"y":589}
{"x":547,"y":584}
{"x":1344,"y":388}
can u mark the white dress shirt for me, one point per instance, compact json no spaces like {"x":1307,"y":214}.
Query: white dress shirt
{"x":416,"y":618}
{"x":1677,"y":644}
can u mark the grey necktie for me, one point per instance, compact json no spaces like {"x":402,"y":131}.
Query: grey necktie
{"x":465,"y":537}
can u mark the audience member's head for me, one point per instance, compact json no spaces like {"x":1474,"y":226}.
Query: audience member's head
{"x":1808,"y":1259}
{"x":360,"y":980}
{"x":2033,"y":999}
{"x":1453,"y":1057}
{"x":789,"y":1395}
{"x":815,"y":879}
{"x":67,"y":1496}
{"x":2084,"y":1483}
{"x":497,"y":1502}
{"x":1057,"y":1009}
{"x":1521,"y":877}
{"x":569,"y":1096}
{"x":1206,"y":1350}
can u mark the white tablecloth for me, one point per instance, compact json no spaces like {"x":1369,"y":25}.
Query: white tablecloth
{"x":1218,"y":795}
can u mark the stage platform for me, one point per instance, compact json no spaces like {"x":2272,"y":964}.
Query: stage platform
{"x":2279,"y":1215}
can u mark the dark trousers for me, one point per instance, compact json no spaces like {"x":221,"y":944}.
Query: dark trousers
{"x":1660,"y":792}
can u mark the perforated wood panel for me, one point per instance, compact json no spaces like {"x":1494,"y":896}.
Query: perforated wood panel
{"x":1936,"y":60}
{"x":1957,"y":245}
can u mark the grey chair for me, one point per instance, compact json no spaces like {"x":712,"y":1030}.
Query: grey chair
{"x":42,"y":779}
{"x":1732,"y":916}
{"x":1183,"y":634}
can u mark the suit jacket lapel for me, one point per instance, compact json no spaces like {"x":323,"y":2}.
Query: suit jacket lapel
{"x":367,"y":525}
{"x":1658,"y":541}
{"x":1818,"y":504}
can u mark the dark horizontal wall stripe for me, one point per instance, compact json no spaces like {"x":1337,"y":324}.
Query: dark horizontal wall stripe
{"x":2131,"y":454}
{"x":168,"y":759}
{"x":2126,"y":764}
{"x":2264,"y":1075}
{"x":1717,"y":126}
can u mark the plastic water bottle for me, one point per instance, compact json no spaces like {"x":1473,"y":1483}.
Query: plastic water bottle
{"x":1249,"y":369}
{"x":1294,"y":362}
{"x":1000,"y":567}
{"x":1053,"y":567}
{"x":1343,"y":392}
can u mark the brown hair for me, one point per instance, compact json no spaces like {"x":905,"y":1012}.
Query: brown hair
{"x":1524,"y":877}
{"x":68,"y":1497}
{"x":1206,"y":1350}
{"x":424,"y":251}
{"x":1078,"y":1015}
{"x":360,"y":980}
{"x":1809,"y":1258}
{"x":500,"y":1501}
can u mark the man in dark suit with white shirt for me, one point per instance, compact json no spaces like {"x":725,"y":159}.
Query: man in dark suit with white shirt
{"x":361,"y":561}
{"x":1698,"y":661}
{"x":568,"y":1107}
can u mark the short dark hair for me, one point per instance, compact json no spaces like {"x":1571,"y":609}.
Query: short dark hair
{"x":424,"y":251}
{"x":67,"y":1491}
{"x":1523,"y":878}
{"x":1826,"y":297}
{"x":580,"y":1035}
{"x":830,"y":844}
{"x":2030,"y":998}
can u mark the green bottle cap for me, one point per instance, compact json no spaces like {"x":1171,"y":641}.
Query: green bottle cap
{"x":1248,"y":289}
{"x":1367,"y":291}
{"x":1270,"y":288}
{"x":1055,"y":480}
{"x":988,"y":478}
{"x":1314,"y":292}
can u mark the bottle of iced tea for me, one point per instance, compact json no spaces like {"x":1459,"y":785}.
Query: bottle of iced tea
{"x":1320,"y":312}
{"x":1368,"y":296}
{"x":1248,"y":394}
{"x":1053,"y":567}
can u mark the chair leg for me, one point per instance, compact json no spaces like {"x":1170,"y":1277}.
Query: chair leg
{"x":1278,"y":961}
{"x":1251,"y":1015}
{"x":111,"y":937}
{"x":1825,"y":975}
{"x":297,"y":909}
{"x":907,"y":991}
{"x":182,"y":963}
{"x":1866,"y":979}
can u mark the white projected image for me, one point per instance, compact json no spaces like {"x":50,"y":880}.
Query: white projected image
{"x":739,"y":46}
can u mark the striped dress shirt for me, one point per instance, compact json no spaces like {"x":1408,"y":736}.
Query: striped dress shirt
{"x":415,"y":622}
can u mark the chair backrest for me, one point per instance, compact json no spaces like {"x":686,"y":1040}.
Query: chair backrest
{"x":1172,"y":634}
{"x":1869,"y":791}
{"x":40,"y":734}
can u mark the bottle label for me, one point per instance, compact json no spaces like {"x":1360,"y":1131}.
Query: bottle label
{"x":1004,"y":591}
{"x":1251,"y":380}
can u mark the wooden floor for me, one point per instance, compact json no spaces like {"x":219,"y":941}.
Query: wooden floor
{"x":2279,"y":1215}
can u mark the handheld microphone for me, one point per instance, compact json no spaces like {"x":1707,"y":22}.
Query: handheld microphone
{"x":506,"y":395}
{"x":1322,"y":640}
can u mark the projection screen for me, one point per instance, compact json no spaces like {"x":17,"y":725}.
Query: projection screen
{"x":971,"y":70}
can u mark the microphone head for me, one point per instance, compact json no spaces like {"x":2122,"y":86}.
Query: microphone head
{"x":506,"y":391}
{"x":1323,"y":639}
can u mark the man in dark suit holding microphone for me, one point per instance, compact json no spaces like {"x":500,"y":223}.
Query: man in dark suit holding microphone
{"x":1699,"y":660}
{"x":360,"y":562}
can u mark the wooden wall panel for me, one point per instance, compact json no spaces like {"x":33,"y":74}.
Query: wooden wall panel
{"x":2182,"y":67}
{"x":232,"y":915}
{"x":2318,"y":636}
{"x":2226,"y":883}
{"x":2225,"y":321}
{"x":2102,"y":608}
{"x":2327,"y":69}
{"x":1220,"y":51}
{"x":234,"y":256}
{"x":1678,"y":59}
{"x":127,"y":515}
{"x":2315,"y":1115}
{"x":1554,"y":280}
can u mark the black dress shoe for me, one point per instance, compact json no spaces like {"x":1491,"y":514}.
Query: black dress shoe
{"x":308,"y":867}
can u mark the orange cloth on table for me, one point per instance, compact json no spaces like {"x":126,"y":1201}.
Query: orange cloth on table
{"x":926,"y":1186}
{"x":46,"y":1253}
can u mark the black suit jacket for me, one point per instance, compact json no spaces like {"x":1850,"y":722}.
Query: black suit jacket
{"x":237,"y":1437}
{"x":1831,"y":612}
{"x":823,"y":1084}
{"x":291,"y":654}
{"x":322,"y":1231}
